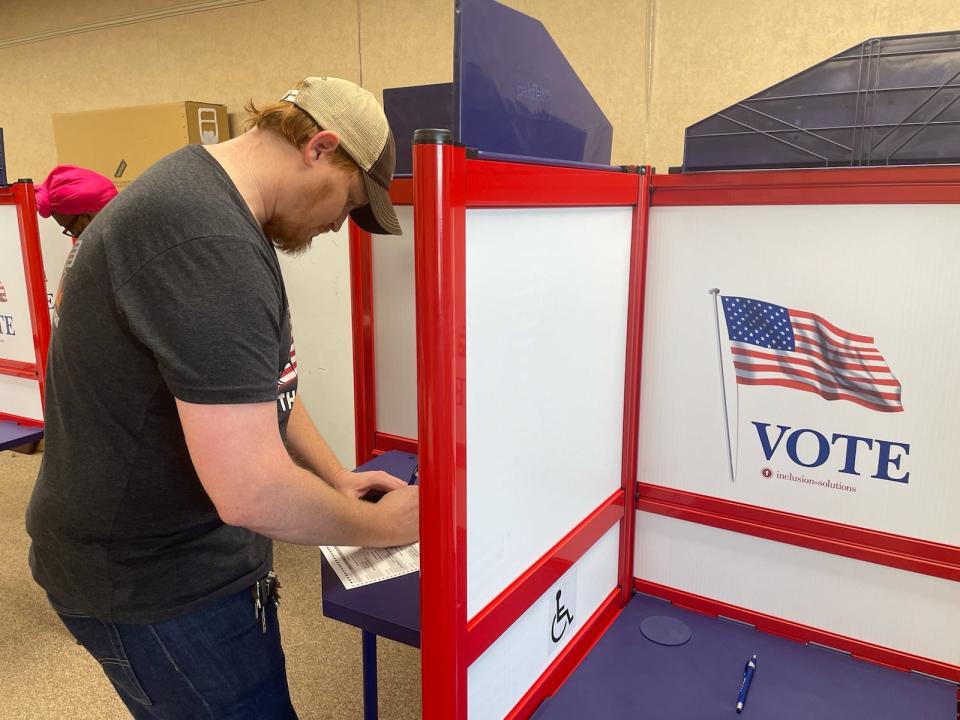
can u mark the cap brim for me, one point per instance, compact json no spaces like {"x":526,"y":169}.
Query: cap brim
{"x":378,"y":217}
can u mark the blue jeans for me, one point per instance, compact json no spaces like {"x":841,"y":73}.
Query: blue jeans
{"x":213,"y":664}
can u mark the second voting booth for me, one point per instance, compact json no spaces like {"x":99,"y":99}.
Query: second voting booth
{"x":24,"y":320}
{"x":781,"y":465}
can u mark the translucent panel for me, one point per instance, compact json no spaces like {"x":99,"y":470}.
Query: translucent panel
{"x":395,"y":329}
{"x":857,"y":599}
{"x":546,"y":348}
{"x":502,"y":675}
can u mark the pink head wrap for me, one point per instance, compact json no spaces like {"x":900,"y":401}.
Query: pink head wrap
{"x":70,"y":190}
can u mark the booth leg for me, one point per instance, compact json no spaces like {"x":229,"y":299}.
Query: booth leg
{"x":369,"y":676}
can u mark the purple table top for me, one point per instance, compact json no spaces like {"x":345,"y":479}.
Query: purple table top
{"x":390,"y":608}
{"x":628,"y":676}
{"x":13,"y":435}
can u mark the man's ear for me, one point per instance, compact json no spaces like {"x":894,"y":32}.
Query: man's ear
{"x":323,"y":143}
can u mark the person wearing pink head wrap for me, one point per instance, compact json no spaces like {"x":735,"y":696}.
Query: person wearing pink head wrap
{"x":73,"y":196}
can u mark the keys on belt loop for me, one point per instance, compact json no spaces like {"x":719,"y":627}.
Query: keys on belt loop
{"x":265,"y":590}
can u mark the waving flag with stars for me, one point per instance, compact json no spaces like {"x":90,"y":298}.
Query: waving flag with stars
{"x":775,"y":345}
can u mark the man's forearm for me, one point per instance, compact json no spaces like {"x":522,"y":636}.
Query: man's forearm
{"x":253,"y":482}
{"x":295,"y":508}
{"x":308,"y":447}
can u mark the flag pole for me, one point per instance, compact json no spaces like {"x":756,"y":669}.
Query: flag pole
{"x":715,"y":292}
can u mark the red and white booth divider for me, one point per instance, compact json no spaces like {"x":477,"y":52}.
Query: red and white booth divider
{"x":839,"y":525}
{"x":513,"y":315}
{"x":24,"y":319}
{"x":527,"y":410}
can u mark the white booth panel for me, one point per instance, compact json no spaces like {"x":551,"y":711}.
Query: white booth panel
{"x":16,"y":330}
{"x":546,"y":345}
{"x":499,"y":678}
{"x":55,"y":247}
{"x":20,"y":397}
{"x":318,"y":290}
{"x":893,"y":608}
{"x":886,"y":272}
{"x":395,"y":328}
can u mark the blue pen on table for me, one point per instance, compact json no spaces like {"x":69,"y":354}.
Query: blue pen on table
{"x":745,"y":685}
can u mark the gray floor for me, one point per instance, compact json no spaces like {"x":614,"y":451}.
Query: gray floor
{"x":44,"y":675}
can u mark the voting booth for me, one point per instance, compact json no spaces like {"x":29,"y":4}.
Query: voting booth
{"x":597,"y":540}
{"x":794,"y":453}
{"x":795,"y":457}
{"x":527,"y":445}
{"x":24,"y":320}
{"x":513,"y":267}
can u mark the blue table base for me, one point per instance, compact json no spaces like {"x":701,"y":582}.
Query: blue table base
{"x":627,"y":675}
{"x":369,"y":676}
{"x":13,"y":435}
{"x":390,"y":609}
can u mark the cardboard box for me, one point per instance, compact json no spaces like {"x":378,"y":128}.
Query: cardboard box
{"x":121,"y":143}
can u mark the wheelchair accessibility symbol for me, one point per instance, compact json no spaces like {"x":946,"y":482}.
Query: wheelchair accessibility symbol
{"x":562,"y":619}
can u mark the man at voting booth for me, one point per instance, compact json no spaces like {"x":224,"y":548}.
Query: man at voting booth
{"x":172,"y":419}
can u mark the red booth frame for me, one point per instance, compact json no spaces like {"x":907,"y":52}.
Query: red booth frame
{"x":21,"y":195}
{"x":839,"y":186}
{"x":445,"y":183}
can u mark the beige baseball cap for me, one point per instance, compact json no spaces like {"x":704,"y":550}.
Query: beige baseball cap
{"x":354,"y":114}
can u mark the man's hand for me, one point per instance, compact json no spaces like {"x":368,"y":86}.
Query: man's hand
{"x":397,"y":511}
{"x":358,"y":484}
{"x":401,"y":512}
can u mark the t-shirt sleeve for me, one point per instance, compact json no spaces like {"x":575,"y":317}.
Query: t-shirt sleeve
{"x":210,"y":310}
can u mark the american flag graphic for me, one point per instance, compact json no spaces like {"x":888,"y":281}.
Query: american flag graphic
{"x":775,"y":345}
{"x":290,"y":369}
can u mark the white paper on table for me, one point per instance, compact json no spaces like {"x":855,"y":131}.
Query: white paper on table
{"x":358,"y":566}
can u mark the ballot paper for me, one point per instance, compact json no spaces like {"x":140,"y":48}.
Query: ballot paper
{"x":359,"y":566}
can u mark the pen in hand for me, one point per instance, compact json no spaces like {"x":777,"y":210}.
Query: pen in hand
{"x":745,"y":685}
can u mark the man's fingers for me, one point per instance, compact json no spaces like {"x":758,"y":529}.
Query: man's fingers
{"x":384,"y":481}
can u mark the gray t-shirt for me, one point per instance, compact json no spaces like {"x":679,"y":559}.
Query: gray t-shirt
{"x":174,"y":291}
